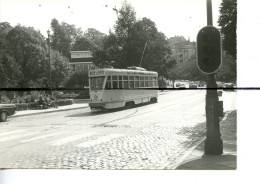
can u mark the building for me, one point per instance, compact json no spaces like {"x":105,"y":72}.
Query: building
{"x":182,"y":49}
{"x":81,"y":61}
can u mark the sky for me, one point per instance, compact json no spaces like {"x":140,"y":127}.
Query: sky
{"x":172,"y":17}
{"x":172,"y":20}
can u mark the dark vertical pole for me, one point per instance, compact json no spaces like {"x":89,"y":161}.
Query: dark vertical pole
{"x":213,"y":143}
{"x":209,"y":13}
{"x":142,"y":55}
{"x":49,"y":64}
{"x":49,"y":44}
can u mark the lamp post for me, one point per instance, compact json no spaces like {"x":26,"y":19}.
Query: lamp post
{"x":48,"y":32}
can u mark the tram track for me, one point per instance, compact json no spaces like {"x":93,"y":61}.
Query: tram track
{"x":136,"y":110}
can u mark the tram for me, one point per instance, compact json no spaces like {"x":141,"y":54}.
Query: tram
{"x":114,"y":88}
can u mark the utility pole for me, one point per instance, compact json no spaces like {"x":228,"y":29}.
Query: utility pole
{"x":213,"y":143}
{"x":49,"y":44}
{"x":209,"y":61}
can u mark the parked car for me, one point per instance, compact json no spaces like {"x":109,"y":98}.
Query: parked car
{"x":220,"y":84}
{"x":193,"y":85}
{"x":182,"y":86}
{"x":229,"y":86}
{"x":6,"y":110}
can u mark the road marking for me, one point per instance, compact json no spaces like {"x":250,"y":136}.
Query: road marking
{"x":71,"y":139}
{"x":99,"y":141}
{"x":17,"y":136}
{"x":40,"y":137}
{"x":12,"y":132}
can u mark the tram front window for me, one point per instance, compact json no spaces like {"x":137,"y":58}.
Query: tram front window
{"x":96,"y":83}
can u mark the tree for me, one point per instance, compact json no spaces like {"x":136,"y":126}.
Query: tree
{"x":92,"y":39}
{"x":228,"y":23}
{"x":63,"y":37}
{"x":9,"y":70}
{"x":78,"y":80}
{"x":227,"y":71}
{"x":28,"y":50}
{"x":83,"y":43}
{"x":188,"y":71}
{"x":59,"y":72}
{"x":95,"y":37}
{"x":126,"y":17}
{"x":133,"y":40}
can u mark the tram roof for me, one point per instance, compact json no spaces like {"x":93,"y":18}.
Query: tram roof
{"x":111,"y":71}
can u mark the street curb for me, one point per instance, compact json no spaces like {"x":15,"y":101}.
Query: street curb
{"x":46,"y":112}
{"x":186,"y":155}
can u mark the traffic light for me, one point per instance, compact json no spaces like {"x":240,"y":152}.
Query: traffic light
{"x":209,"y":49}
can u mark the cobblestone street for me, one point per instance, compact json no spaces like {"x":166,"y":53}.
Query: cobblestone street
{"x":148,"y":137}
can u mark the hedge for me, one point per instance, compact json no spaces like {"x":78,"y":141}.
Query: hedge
{"x":33,"y":105}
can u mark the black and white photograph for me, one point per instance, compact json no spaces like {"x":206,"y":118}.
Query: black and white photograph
{"x":119,"y":85}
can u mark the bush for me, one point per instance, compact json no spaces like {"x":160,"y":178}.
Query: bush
{"x":21,"y":106}
{"x":57,"y":94}
{"x":83,"y":95}
{"x":32,"y":105}
{"x":4,"y":99}
{"x":62,"y":102}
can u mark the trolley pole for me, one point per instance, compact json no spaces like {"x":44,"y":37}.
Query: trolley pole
{"x":142,"y":55}
{"x":213,"y":143}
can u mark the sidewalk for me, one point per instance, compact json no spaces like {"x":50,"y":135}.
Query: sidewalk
{"x":227,"y":161}
{"x":75,"y":105}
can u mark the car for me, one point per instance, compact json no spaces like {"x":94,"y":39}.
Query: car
{"x":182,"y":86}
{"x":220,"y":84}
{"x":6,"y":110}
{"x":193,"y":85}
{"x":229,"y":86}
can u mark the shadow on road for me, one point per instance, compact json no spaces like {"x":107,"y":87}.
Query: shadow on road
{"x":95,"y":113}
{"x":211,"y":162}
{"x":106,"y":111}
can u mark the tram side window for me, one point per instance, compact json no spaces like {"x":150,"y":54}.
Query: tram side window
{"x":131,"y":82}
{"x":150,"y":82}
{"x":136,"y":81}
{"x":154,"y":82}
{"x":108,"y":83}
{"x":120,"y":82}
{"x":141,"y":82}
{"x":146,"y":82}
{"x":125,"y":82}
{"x":115,"y":82}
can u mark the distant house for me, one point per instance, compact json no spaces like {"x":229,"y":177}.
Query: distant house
{"x":182,"y":49}
{"x":81,"y":61}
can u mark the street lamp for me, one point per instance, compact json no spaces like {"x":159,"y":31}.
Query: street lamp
{"x":48,"y":32}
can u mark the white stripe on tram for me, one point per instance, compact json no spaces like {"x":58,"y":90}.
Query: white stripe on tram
{"x":40,"y":137}
{"x":17,"y":136}
{"x":100,"y":140}
{"x":71,"y":139}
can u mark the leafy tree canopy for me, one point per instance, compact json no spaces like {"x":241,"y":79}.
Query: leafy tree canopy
{"x":27,"y":54}
{"x":228,"y":23}
{"x":63,"y":36}
{"x":132,"y":40}
{"x":59,"y":72}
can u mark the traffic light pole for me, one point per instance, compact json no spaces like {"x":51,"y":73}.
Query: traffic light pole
{"x":209,"y":13}
{"x":213,"y":143}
